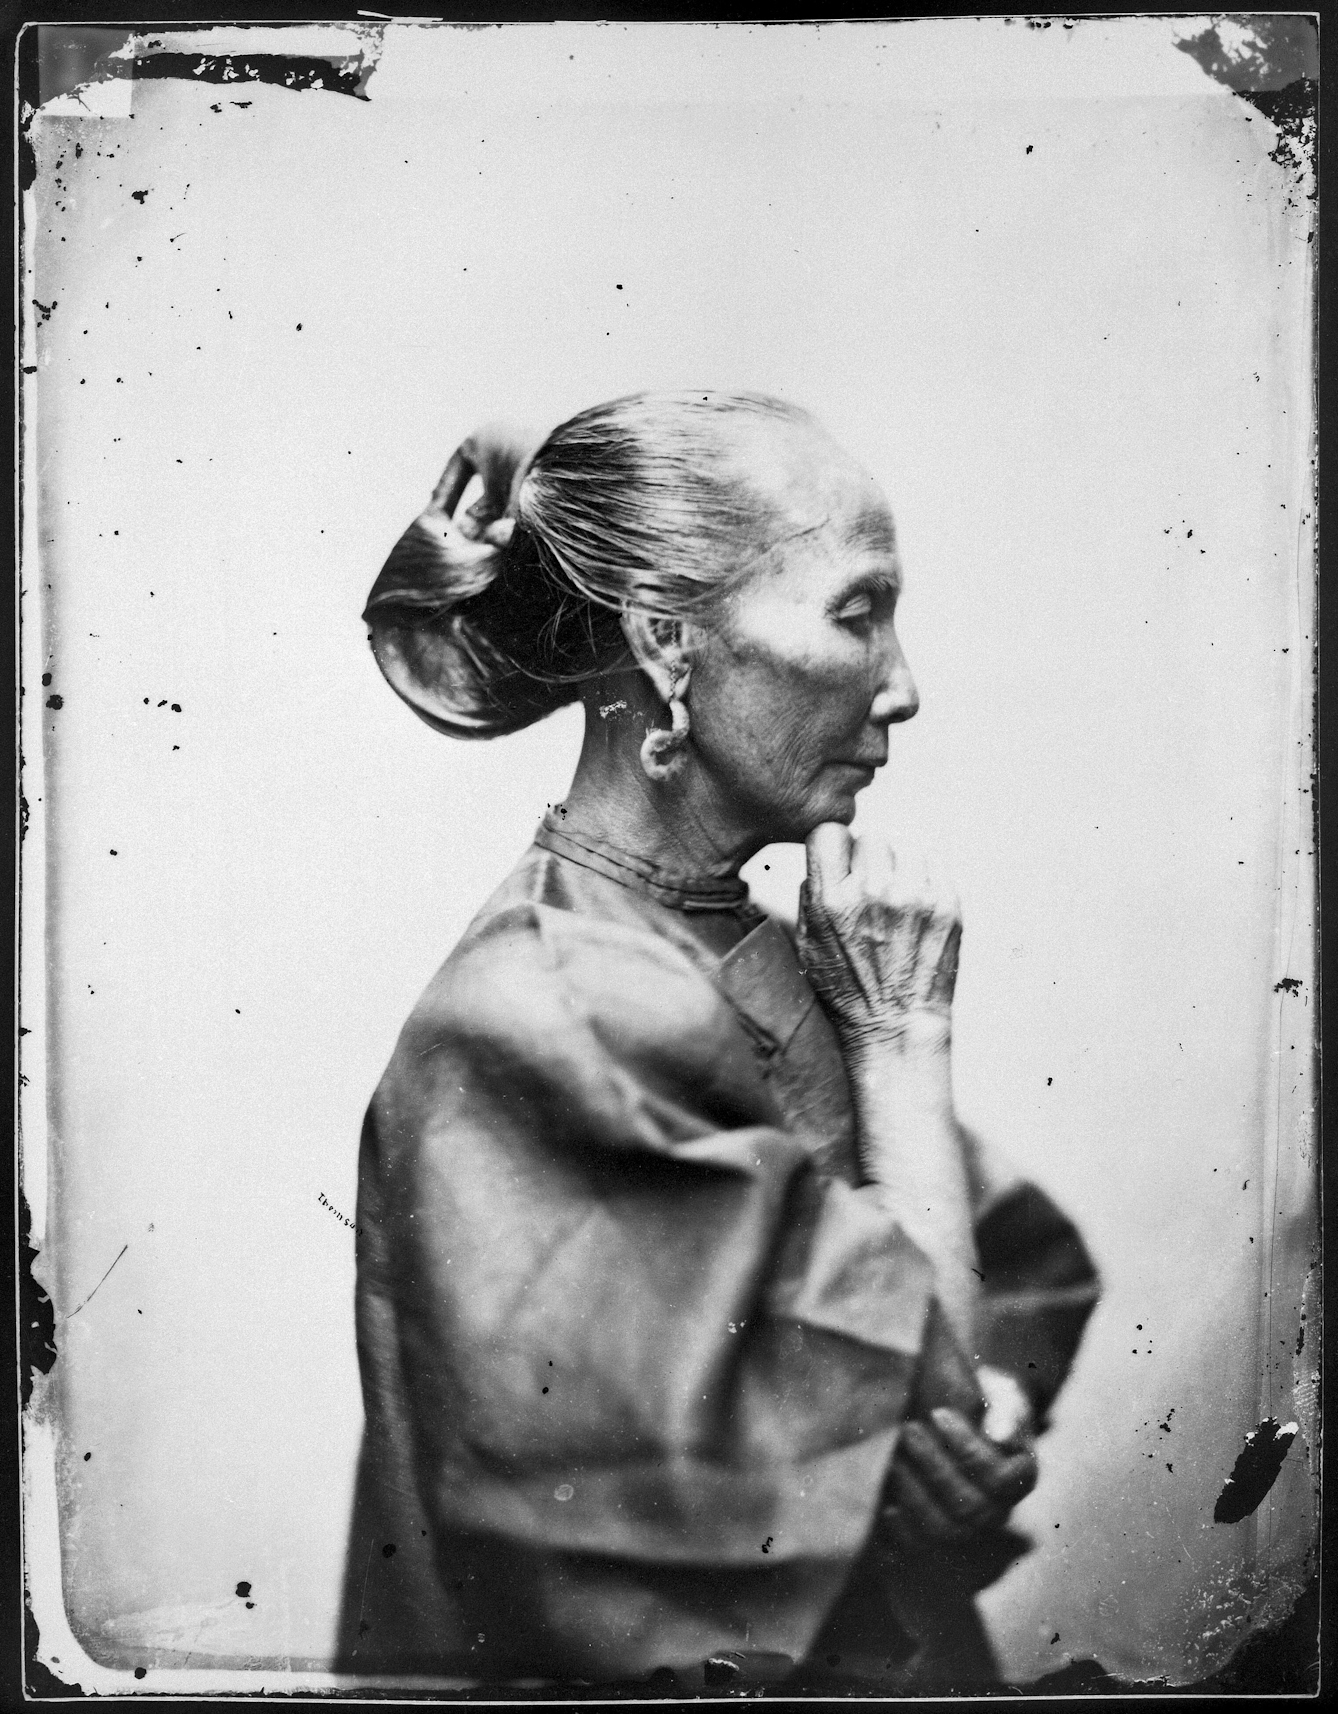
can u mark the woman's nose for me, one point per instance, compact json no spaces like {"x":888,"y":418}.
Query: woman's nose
{"x":897,"y":698}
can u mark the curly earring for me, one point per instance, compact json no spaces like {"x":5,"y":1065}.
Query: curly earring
{"x":664,"y":751}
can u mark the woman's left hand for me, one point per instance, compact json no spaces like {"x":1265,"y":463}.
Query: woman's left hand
{"x":879,"y":942}
{"x":949,"y":1482}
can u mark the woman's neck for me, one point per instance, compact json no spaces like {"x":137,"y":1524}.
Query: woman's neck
{"x":677,"y":823}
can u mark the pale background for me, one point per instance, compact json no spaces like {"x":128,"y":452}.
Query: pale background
{"x":1050,"y":287}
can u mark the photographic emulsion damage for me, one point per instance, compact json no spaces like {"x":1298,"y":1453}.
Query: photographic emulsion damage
{"x":667,"y":898}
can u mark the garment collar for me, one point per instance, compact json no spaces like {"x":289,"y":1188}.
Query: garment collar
{"x":672,"y":887}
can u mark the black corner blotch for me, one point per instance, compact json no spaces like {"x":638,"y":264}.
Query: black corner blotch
{"x":1255,"y":1471}
{"x":286,"y":71}
{"x":1276,"y":69}
{"x":37,"y":1319}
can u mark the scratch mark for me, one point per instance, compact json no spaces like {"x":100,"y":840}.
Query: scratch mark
{"x":362,"y":1603}
{"x":78,"y":1307}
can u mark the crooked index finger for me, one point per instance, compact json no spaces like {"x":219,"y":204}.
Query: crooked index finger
{"x":877,"y":863}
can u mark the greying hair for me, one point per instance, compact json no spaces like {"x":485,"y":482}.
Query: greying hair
{"x":659,"y":502}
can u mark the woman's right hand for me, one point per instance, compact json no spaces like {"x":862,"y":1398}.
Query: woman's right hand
{"x":878,"y":942}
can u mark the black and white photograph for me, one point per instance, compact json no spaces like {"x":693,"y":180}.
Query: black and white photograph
{"x":667,"y":897}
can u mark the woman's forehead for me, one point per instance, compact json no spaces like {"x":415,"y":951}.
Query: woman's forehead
{"x":811,"y":565}
{"x":814,"y":488}
{"x":851,"y":518}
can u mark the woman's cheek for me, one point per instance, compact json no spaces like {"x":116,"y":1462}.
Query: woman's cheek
{"x":776,"y":713}
{"x":752,"y":735}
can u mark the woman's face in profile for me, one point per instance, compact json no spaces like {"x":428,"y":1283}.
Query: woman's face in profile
{"x":799,"y":674}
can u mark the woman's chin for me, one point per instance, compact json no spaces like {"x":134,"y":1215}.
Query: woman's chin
{"x":828,"y":799}
{"x":837,"y":806}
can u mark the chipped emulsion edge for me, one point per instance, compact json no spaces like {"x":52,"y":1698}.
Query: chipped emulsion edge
{"x":38,"y":1512}
{"x":1270,"y":62}
{"x":335,"y":59}
{"x":347,"y":64}
{"x":1272,"y":65}
{"x":290,"y":59}
{"x":227,"y":55}
{"x":31,"y":856}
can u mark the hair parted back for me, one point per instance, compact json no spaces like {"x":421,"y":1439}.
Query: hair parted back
{"x":653,"y":502}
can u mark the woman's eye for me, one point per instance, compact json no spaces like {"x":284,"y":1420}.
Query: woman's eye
{"x":856,"y":612}
{"x":865,"y":606}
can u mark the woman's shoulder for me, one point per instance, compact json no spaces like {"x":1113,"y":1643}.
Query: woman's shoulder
{"x":574,"y":950}
{"x":555,"y":1019}
{"x":536,"y":979}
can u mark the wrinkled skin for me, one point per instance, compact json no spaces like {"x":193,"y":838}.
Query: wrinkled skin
{"x":800,"y":673}
{"x":879,"y":941}
{"x":880,"y":938}
{"x":792,"y":683}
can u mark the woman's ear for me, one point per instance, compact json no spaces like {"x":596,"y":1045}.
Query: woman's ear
{"x":660,"y":648}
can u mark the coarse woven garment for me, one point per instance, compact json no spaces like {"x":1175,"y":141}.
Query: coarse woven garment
{"x":636,"y":1338}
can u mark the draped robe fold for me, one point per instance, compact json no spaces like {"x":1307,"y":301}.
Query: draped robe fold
{"x":636,"y":1339}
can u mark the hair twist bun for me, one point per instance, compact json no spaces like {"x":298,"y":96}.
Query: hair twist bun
{"x":463,"y":615}
{"x":658,"y":502}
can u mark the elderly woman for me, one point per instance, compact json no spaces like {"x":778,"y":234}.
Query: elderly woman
{"x":698,"y":1338}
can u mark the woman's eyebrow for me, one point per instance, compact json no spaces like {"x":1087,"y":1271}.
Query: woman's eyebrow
{"x":875,"y":529}
{"x":878,"y":582}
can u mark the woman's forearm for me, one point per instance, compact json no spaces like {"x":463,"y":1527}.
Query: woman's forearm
{"x":901,"y":1082}
{"x":879,"y":945}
